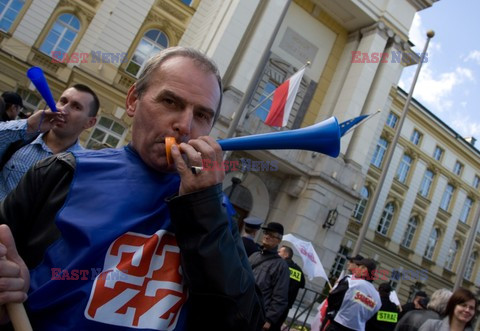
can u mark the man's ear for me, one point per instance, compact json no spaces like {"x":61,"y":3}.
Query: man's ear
{"x":90,"y":123}
{"x":131,"y":100}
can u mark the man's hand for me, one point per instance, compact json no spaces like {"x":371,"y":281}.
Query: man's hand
{"x":42,"y":121}
{"x":266,"y":326}
{"x":14,"y":275}
{"x":199,"y":151}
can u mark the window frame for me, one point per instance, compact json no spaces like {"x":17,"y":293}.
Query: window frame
{"x":447,"y":195}
{"x":431,"y":244}
{"x":18,"y":15}
{"x":65,"y":28}
{"x":416,"y":137}
{"x":472,"y":260}
{"x":426,"y":181}
{"x":438,"y":153}
{"x":108,"y":132}
{"x":458,"y":168}
{"x":380,"y":149}
{"x":152,"y":45}
{"x":404,"y":168}
{"x":409,"y":233}
{"x":386,"y":219}
{"x":466,"y":209}
{"x":452,"y":255}
{"x":392,"y":117}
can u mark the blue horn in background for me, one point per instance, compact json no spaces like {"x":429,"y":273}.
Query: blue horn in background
{"x":38,"y":79}
{"x":323,"y":137}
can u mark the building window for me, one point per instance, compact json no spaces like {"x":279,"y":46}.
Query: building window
{"x":476,"y":181}
{"x":404,"y":168}
{"x":339,"y":263}
{"x":379,"y":152}
{"x":392,"y":120}
{"x":470,"y":266}
{"x":426,"y":183}
{"x":107,"y":133}
{"x":361,"y":205}
{"x":438,"y":153}
{"x":410,"y":232}
{"x":31,"y":101}
{"x":467,"y":206}
{"x":9,"y":10}
{"x":457,"y":169}
{"x":452,"y":253}
{"x":432,"y":241}
{"x":386,"y":219}
{"x":61,"y":36}
{"x":416,"y":137}
{"x":264,"y":108}
{"x":447,"y":197}
{"x":153,"y":41}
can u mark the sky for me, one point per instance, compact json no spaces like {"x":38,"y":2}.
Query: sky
{"x":449,"y":82}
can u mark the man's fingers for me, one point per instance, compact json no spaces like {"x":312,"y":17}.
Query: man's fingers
{"x":11,"y":284}
{"x":6,"y":238}
{"x":9,"y":269}
{"x":13,"y":266}
{"x":16,"y":296}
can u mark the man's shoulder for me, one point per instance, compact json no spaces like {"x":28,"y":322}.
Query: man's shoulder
{"x":65,"y":159}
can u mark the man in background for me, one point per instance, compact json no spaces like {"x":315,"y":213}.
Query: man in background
{"x":251,"y":227}
{"x":24,"y":142}
{"x":271,"y":276}
{"x":297,"y":279}
{"x":415,"y":304}
{"x":13,"y":106}
{"x":354,"y":301}
{"x":387,"y":317}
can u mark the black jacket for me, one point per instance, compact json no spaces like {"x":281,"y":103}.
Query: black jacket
{"x":385,"y":319}
{"x":297,"y":281}
{"x":272,"y":277}
{"x":221,"y":286}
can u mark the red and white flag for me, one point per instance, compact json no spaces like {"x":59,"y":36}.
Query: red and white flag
{"x":283,"y":99}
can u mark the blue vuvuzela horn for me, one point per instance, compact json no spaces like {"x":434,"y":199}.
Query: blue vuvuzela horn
{"x":38,"y":79}
{"x":323,"y":137}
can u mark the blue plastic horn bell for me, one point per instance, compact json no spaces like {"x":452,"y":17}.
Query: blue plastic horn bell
{"x":323,"y":137}
{"x":38,"y":79}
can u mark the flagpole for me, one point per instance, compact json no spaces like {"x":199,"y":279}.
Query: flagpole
{"x":256,"y":75}
{"x":273,"y":92}
{"x":372,"y":204}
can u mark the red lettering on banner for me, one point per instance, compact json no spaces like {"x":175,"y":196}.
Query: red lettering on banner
{"x":151,"y":292}
{"x":366,"y":300}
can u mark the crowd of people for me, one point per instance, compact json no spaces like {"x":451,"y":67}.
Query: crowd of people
{"x":121,"y":239}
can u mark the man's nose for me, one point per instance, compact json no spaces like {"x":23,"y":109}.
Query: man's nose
{"x":63,"y":108}
{"x":183,"y":123}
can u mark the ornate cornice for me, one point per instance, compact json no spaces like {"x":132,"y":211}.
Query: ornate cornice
{"x":170,"y":9}
{"x":81,"y":8}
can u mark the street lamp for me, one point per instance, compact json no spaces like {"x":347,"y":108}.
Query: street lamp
{"x":238,"y":177}
{"x":331,"y":218}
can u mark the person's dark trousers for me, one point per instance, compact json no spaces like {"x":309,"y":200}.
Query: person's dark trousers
{"x":283,"y":318}
{"x":276,"y":327}
{"x":334,"y":326}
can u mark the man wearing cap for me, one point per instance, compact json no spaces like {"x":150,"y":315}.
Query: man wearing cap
{"x":415,"y":304}
{"x":353,"y":302}
{"x":252,"y":225}
{"x":272,"y":276}
{"x":25,"y":142}
{"x":13,"y":106}
{"x":387,"y":317}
